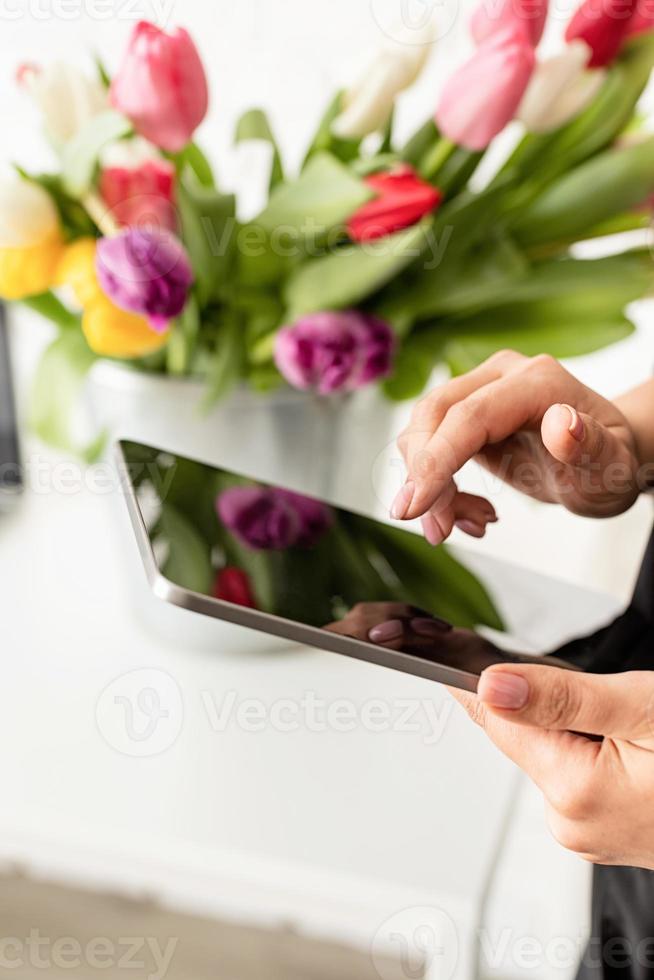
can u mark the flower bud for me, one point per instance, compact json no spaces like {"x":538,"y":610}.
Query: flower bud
{"x":334,"y":351}
{"x":161,"y":86}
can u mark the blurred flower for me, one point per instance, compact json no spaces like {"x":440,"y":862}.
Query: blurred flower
{"x":490,"y":18}
{"x":145,"y":272}
{"x":560,"y":88}
{"x":109,"y":331}
{"x":138,"y":185}
{"x":31,"y":242}
{"x":368,"y":104}
{"x":67,"y":98}
{"x":269,"y":519}
{"x":603,"y":26}
{"x":483,"y":95}
{"x":403,"y":199}
{"x":161,"y":86}
{"x":642,"y":20}
{"x":334,"y":351}
{"x":233,"y":585}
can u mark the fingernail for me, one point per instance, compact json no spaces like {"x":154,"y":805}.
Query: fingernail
{"x":403,"y":500}
{"x":392,"y":630}
{"x":472,"y":528}
{"x":577,"y":429}
{"x":431,"y":627}
{"x":503,"y":690}
{"x":432,"y":531}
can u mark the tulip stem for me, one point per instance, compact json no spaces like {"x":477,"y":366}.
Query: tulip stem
{"x":436,"y":157}
{"x":97,"y":210}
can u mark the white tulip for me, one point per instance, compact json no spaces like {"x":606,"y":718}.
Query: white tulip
{"x":367,"y":106}
{"x":28,"y":215}
{"x":67,"y":98}
{"x":560,"y":88}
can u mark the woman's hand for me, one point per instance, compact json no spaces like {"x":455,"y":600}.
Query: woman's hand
{"x":600,"y":794}
{"x":529,"y":422}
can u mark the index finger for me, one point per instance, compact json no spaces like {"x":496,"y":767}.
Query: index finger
{"x":490,"y":415}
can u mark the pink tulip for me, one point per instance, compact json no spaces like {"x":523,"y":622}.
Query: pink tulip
{"x":603,"y":26}
{"x":642,"y":20}
{"x":483,"y":95}
{"x":491,"y":17}
{"x":141,"y":195}
{"x":161,"y":86}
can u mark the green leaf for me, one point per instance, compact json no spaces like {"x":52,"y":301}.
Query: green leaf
{"x":193,"y":157}
{"x":51,"y":308}
{"x":56,"y":391}
{"x":189,"y":560}
{"x":183,"y":339}
{"x":414,"y":364}
{"x":562,"y":329}
{"x":80,"y":155}
{"x":208,"y":232}
{"x":423,"y":140}
{"x":323,"y":197}
{"x":324,"y":140}
{"x":606,"y":186}
{"x":488,"y":274}
{"x":227,"y":360}
{"x":264,"y":378}
{"x":254,"y":125}
{"x":354,"y":272}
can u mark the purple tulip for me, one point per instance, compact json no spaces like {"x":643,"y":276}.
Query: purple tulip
{"x":335,"y":351}
{"x":145,"y":271}
{"x":267,"y":519}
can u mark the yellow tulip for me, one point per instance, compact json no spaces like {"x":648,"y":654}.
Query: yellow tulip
{"x":109,"y":331}
{"x":31,"y":242}
{"x":112,"y":332}
{"x":29,"y":271}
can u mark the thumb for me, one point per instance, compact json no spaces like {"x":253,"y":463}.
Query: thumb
{"x":580,"y":440}
{"x":616,"y":705}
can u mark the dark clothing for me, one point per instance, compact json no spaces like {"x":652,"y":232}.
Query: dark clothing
{"x":622,"y":938}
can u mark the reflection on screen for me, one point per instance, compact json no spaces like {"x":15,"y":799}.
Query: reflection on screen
{"x":268,"y":548}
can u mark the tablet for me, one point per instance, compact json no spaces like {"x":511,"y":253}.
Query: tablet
{"x":11,"y":480}
{"x":267,"y":558}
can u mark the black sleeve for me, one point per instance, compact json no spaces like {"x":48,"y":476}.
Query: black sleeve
{"x":628,"y":643}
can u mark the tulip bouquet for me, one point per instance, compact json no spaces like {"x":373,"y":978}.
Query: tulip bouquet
{"x":376,"y":261}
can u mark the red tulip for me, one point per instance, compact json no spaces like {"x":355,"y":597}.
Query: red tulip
{"x":161,"y":86}
{"x":528,"y":15}
{"x":484,"y":94}
{"x":233,"y":585}
{"x":402,"y":200}
{"x":603,"y":26}
{"x":141,"y":195}
{"x":642,"y":20}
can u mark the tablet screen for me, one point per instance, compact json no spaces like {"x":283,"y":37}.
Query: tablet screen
{"x":270,"y":549}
